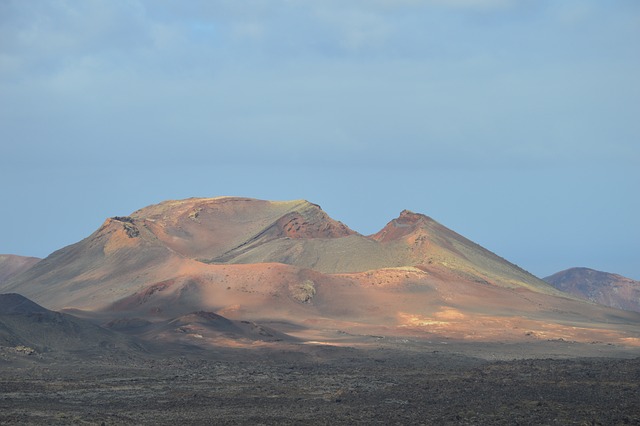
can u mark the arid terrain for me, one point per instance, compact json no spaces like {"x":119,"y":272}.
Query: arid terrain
{"x":419,"y":384}
{"x":241,"y":311}
{"x":11,"y":265}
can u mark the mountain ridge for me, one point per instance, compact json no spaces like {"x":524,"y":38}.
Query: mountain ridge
{"x":236,"y":230}
{"x":289,"y":262}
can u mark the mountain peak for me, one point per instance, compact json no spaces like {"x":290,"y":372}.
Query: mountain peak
{"x":310,"y":221}
{"x":409,"y":217}
{"x":405,"y":224}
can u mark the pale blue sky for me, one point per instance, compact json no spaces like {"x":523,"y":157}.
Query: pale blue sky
{"x":515,"y":123}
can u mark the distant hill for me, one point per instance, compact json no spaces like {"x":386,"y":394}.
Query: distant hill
{"x":11,"y":265}
{"x":605,"y":288}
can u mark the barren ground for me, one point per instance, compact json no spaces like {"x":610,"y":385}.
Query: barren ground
{"x":433,"y":383}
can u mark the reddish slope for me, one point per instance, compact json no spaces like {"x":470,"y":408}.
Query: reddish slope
{"x":599,"y":287}
{"x":431,"y":246}
{"x":288,"y":262}
{"x":216,"y":229}
{"x":388,"y":302}
{"x":155,"y":243}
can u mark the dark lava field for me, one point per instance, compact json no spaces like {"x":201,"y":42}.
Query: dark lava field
{"x":324,"y":385}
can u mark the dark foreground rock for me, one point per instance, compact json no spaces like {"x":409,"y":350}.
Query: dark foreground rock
{"x":326,"y":386}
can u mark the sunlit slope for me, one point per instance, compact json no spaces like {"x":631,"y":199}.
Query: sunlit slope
{"x":410,"y":240}
{"x":288,"y":264}
{"x":116,"y":259}
{"x":163,"y":241}
{"x":217,"y":229}
{"x":174,"y":238}
{"x":431,"y":244}
{"x":389,"y":302}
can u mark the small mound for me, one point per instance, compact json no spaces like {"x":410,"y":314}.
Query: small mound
{"x":14,"y":304}
{"x":127,"y":324}
{"x":407,"y":223}
{"x":311,"y":222}
{"x":206,"y":328}
{"x":204,"y":318}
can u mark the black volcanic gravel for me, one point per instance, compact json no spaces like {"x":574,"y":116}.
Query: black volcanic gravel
{"x":345,"y":387}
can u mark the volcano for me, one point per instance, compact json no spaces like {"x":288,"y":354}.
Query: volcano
{"x":290,"y":267}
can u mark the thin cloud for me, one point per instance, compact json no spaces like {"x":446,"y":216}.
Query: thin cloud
{"x":374,"y":79}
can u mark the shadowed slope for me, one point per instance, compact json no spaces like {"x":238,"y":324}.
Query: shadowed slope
{"x":207,"y":328}
{"x":25,"y":323}
{"x":14,"y":304}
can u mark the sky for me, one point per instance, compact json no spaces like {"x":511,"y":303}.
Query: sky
{"x":515,"y":123}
